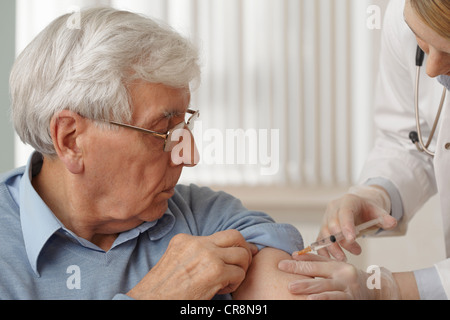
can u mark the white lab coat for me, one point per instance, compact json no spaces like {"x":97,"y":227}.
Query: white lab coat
{"x":416,"y":175}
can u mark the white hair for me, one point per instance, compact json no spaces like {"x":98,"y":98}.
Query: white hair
{"x":87,"y":70}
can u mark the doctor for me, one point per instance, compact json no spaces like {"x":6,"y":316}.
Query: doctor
{"x":397,"y":178}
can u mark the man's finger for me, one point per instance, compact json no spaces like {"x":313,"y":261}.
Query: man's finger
{"x":232,"y":279}
{"x":236,"y":256}
{"x":229,"y":238}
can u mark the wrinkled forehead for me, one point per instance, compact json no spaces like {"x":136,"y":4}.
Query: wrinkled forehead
{"x":150,"y":101}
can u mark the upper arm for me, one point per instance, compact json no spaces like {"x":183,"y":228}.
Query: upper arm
{"x":264,"y":280}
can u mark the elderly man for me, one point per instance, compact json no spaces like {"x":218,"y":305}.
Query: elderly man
{"x":97,"y":212}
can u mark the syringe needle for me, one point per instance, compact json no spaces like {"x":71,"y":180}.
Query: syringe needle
{"x":304,"y":251}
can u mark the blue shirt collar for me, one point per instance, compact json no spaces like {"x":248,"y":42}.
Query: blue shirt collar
{"x":39,"y":223}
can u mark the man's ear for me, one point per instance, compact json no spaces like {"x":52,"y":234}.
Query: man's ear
{"x":65,"y":129}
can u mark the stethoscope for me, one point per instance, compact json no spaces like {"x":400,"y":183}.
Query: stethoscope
{"x":416,"y":136}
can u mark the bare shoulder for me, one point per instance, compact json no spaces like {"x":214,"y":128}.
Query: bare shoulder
{"x":264,"y":281}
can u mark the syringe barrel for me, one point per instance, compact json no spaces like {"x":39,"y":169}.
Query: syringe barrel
{"x":325,"y":242}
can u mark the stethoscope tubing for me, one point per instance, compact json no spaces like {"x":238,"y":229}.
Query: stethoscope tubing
{"x":419,"y":140}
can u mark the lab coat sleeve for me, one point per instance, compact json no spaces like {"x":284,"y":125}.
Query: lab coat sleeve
{"x":430,"y":284}
{"x":394,"y":195}
{"x":394,"y":157}
{"x":443,"y":269}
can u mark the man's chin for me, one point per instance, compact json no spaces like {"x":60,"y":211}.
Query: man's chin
{"x":156,"y":211}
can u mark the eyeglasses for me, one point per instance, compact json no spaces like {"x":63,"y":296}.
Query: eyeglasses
{"x":169,"y":143}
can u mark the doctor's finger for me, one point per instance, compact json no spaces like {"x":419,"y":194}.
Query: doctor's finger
{"x":349,"y":212}
{"x":312,"y":286}
{"x":353,"y":247}
{"x":388,"y":221}
{"x":324,"y":253}
{"x":309,"y":257}
{"x":309,"y":268}
{"x":330,"y":226}
{"x":322,"y":234}
{"x":331,"y":295}
{"x":336,"y":250}
{"x":333,"y":250}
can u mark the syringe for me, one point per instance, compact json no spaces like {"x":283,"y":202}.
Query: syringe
{"x":325,"y":242}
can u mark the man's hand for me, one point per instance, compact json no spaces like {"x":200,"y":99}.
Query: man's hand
{"x":198,"y":267}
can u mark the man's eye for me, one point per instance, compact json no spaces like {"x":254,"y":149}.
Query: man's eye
{"x":162,"y":126}
{"x":176,"y":120}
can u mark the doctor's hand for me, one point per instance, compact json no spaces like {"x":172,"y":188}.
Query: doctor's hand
{"x":359,"y":205}
{"x":197,"y":268}
{"x":338,"y":280}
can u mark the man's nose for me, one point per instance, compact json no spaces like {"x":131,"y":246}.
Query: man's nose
{"x":185,"y":152}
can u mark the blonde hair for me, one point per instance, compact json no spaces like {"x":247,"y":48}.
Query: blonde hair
{"x":435,"y":13}
{"x":87,"y":70}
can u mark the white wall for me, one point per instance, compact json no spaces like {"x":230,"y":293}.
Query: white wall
{"x":7,"y":39}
